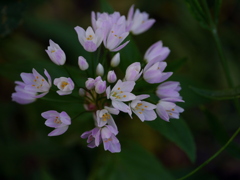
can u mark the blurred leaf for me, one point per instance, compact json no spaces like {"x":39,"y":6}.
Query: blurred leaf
{"x":133,"y":163}
{"x":178,"y":132}
{"x":106,"y":7}
{"x":217,"y":7}
{"x":220,"y":133}
{"x":198,"y":13}
{"x":11,"y":16}
{"x":175,"y":65}
{"x":218,"y":94}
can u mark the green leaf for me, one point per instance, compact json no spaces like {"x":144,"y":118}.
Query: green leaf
{"x":198,"y":13}
{"x":11,"y":16}
{"x":218,"y":94}
{"x":178,"y":132}
{"x":217,"y":7}
{"x":106,"y":7}
{"x":133,"y":163}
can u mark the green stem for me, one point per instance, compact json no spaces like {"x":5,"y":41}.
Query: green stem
{"x":212,"y":157}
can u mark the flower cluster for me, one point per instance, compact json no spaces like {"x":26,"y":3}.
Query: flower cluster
{"x":105,"y":94}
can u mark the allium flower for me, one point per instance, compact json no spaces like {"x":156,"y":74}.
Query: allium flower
{"x":169,"y":89}
{"x":111,"y":77}
{"x":65,"y":85}
{"x":21,"y":95}
{"x":133,"y":72}
{"x":100,"y":86}
{"x":121,"y":93}
{"x":154,"y":73}
{"x":59,"y":121}
{"x":82,"y":63}
{"x":167,"y":110}
{"x":88,"y":39}
{"x":104,"y":117}
{"x":90,"y":83}
{"x":106,"y":134}
{"x":156,"y":52}
{"x":34,"y":82}
{"x":55,"y":53}
{"x":115,"y":37}
{"x":138,"y":22}
{"x":115,"y":60}
{"x":144,"y":110}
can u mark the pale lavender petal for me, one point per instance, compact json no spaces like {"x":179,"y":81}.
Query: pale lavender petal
{"x":58,"y":131}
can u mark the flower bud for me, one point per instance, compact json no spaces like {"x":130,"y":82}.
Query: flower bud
{"x":55,"y":53}
{"x":100,"y":87}
{"x":100,"y":69}
{"x":81,"y":92}
{"x":111,"y":77}
{"x":115,"y":60}
{"x":90,"y":83}
{"x":133,"y":72}
{"x":83,"y":65}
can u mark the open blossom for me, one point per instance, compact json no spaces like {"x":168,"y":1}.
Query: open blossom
{"x":21,"y":95}
{"x":167,"y":110}
{"x":106,"y":134}
{"x":65,"y":85}
{"x":154,"y":73}
{"x":144,"y":110}
{"x":89,"y":39}
{"x":121,"y":93}
{"x":104,"y":117}
{"x":133,"y":72}
{"x":34,"y":82}
{"x":138,"y":22}
{"x":116,"y":36}
{"x":59,"y":121}
{"x":156,"y":52}
{"x":169,"y":89}
{"x":55,"y":53}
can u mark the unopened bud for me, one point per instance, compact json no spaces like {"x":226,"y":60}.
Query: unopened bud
{"x":100,"y":87}
{"x":83,"y":65}
{"x":133,"y":72}
{"x":90,"y":83}
{"x":81,"y":92}
{"x":100,"y":69}
{"x":115,"y":60}
{"x":111,"y":77}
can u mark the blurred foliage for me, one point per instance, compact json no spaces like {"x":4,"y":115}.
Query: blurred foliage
{"x":151,"y":150}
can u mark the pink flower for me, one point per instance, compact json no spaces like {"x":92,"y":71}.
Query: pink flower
{"x":104,"y":117}
{"x":21,"y":95}
{"x":121,"y":93}
{"x":106,"y":134}
{"x":34,"y":82}
{"x":55,"y":53}
{"x":82,"y":63}
{"x":59,"y":121}
{"x":65,"y":85}
{"x":111,"y":77}
{"x":144,"y":110}
{"x":133,"y":72}
{"x":89,"y":39}
{"x":153,"y":73}
{"x":167,"y":110}
{"x":138,"y":22}
{"x":100,"y":86}
{"x":156,"y":52}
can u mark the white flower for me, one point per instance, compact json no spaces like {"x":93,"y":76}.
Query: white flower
{"x":65,"y":85}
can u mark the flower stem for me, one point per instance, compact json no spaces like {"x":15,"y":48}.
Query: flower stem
{"x":212,"y":157}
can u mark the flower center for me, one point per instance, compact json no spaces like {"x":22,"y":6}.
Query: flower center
{"x":64,"y":84}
